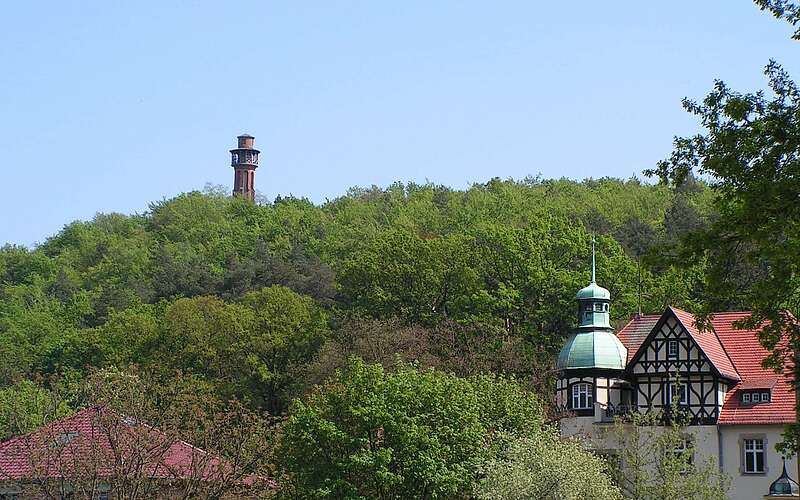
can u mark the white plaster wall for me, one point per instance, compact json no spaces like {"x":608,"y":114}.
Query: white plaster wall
{"x":749,"y":486}
{"x":577,"y":426}
{"x":600,"y":436}
{"x":706,"y":439}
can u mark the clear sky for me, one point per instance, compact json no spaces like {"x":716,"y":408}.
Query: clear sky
{"x":106,"y":106}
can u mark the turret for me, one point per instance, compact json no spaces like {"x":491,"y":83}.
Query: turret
{"x":592,"y":361}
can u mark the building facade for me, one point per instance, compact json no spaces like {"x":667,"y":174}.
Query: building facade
{"x":736,"y":409}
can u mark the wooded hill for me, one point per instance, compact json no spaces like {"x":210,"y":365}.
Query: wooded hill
{"x":260,"y":302}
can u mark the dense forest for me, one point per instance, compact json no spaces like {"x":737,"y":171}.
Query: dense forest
{"x":263,"y":301}
{"x":297,"y":326}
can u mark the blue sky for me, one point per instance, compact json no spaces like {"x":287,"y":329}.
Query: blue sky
{"x":107,"y":106}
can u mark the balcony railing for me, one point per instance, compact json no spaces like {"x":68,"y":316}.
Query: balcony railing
{"x":609,"y":411}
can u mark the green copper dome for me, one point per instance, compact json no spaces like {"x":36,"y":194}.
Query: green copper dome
{"x":594,"y":344}
{"x":593,"y":349}
{"x":593,"y":291}
{"x":784,"y":486}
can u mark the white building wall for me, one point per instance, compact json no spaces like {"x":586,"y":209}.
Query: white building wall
{"x":752,"y":486}
{"x":707,"y":442}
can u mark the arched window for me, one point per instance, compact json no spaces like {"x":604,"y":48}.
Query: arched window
{"x":582,"y":397}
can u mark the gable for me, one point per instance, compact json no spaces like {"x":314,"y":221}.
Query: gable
{"x":697,"y":352}
{"x":653,"y":356}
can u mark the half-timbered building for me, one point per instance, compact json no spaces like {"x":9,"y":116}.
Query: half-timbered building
{"x":658,"y":362}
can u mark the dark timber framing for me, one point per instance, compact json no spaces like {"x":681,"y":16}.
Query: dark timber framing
{"x":652,"y":370}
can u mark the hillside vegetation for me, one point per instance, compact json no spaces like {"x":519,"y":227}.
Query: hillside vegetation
{"x":262,"y":301}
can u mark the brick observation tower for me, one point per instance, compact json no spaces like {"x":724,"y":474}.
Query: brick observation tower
{"x":244,"y":160}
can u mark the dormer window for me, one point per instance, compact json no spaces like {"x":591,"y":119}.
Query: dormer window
{"x":672,"y":349}
{"x":755,"y":397}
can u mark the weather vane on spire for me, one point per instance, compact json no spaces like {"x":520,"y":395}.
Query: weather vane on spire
{"x":593,"y":272}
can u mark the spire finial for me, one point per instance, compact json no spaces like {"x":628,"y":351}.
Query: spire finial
{"x":593,"y":272}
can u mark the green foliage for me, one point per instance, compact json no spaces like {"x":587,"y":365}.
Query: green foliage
{"x":751,"y":150}
{"x":544,"y":466}
{"x":25,"y":406}
{"x":288,"y":331}
{"x":782,"y":9}
{"x":660,"y":460}
{"x":407,"y":434}
{"x":479,"y":280}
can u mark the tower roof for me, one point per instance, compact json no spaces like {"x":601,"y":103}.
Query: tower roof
{"x":594,"y":344}
{"x":592,"y":349}
{"x":784,"y":486}
{"x":593,"y":290}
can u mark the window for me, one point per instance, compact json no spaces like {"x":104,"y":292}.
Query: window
{"x":581,"y":396}
{"x":684,"y":453}
{"x":754,"y":456}
{"x":234,"y":158}
{"x":598,"y":307}
{"x":672,"y":349}
{"x":605,"y":307}
{"x":103,"y":495}
{"x":676,"y":391}
{"x":752,"y":397}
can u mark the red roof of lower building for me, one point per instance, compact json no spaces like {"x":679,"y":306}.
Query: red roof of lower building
{"x":737,"y":355}
{"x":101,"y":443}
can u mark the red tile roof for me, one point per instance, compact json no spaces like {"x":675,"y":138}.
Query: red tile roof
{"x":737,"y":354}
{"x":758,"y":383}
{"x":636,"y":331}
{"x":96,"y":441}
{"x":747,"y":353}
